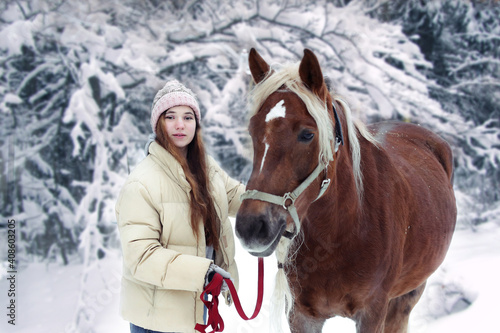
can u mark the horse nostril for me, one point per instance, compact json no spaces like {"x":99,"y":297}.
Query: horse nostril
{"x":261,"y":227}
{"x":251,"y":227}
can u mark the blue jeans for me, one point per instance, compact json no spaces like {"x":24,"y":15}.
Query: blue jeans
{"x":137,"y":329}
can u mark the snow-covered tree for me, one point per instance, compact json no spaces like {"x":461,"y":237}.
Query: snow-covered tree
{"x":462,"y":41}
{"x":78,"y":77}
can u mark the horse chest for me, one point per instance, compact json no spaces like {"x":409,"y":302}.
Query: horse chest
{"x":330,"y":279}
{"x":329,"y":291}
{"x":324,"y":300}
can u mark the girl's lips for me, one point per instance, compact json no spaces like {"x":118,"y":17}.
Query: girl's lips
{"x":179,"y":135}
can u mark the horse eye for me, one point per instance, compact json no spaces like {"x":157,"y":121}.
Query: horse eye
{"x":306,"y":136}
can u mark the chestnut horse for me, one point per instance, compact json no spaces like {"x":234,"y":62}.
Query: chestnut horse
{"x":359,"y":215}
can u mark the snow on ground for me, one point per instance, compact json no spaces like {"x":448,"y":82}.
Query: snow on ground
{"x":473,"y":267}
{"x":48,"y":293}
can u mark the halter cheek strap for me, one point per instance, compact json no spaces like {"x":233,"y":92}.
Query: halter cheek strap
{"x":288,"y":200}
{"x":339,"y":138}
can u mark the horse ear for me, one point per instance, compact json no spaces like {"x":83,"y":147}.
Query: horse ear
{"x":310,"y":72}
{"x":258,"y":66}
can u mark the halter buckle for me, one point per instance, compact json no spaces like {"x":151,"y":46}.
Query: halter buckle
{"x":286,"y":197}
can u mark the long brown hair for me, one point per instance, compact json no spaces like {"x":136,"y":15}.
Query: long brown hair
{"x":196,"y":171}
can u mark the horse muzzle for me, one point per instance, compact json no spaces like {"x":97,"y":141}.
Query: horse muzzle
{"x":259,"y":227}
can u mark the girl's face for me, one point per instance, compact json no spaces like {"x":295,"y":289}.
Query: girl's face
{"x":180,"y":123}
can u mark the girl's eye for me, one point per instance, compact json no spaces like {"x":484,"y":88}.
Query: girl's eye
{"x":169,"y":117}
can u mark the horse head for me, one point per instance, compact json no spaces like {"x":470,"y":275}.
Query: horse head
{"x":292,"y":130}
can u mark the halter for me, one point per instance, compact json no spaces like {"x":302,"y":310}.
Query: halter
{"x":288,"y":200}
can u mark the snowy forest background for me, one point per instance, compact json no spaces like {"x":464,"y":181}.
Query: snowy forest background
{"x":77,"y":79}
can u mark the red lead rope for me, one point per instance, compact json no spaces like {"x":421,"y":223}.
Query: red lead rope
{"x":213,"y":288}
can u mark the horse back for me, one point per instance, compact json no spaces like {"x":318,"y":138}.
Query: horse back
{"x":412,"y":142}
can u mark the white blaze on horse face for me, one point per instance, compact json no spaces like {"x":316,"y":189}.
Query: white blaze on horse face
{"x":265,"y":153}
{"x":278,"y":111}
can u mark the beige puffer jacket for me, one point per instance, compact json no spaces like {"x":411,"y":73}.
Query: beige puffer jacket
{"x":164,"y":266}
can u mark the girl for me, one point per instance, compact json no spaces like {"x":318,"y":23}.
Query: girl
{"x":173,"y":220}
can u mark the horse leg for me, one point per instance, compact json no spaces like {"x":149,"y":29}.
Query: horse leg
{"x":398,"y":314}
{"x":301,"y":323}
{"x":371,"y":319}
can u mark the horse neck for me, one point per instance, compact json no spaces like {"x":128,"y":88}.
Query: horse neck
{"x":338,"y":212}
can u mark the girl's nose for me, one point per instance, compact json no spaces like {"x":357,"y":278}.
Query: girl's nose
{"x":179,"y":124}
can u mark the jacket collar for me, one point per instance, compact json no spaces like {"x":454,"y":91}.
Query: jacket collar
{"x":169,"y":164}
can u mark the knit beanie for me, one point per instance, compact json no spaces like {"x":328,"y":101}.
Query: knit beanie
{"x":173,"y":94}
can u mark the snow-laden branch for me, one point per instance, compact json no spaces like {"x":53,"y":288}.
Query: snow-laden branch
{"x":466,"y":65}
{"x":481,"y":81}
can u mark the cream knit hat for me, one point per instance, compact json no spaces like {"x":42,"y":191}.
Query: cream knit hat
{"x":173,"y":94}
